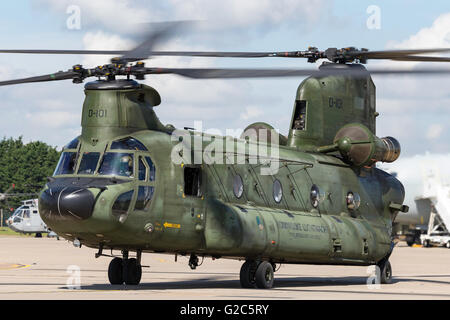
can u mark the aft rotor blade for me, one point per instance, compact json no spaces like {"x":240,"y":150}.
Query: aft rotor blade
{"x":422,"y":58}
{"x":61,"y":75}
{"x":268,"y":73}
{"x":389,"y":54}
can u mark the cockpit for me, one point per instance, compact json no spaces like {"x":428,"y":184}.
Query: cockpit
{"x":121,"y":158}
{"x":23,"y":212}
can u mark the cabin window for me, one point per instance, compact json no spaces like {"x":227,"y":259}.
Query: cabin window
{"x":128,"y":144}
{"x":88,"y":163}
{"x":299,"y":121}
{"x":117,"y":164}
{"x":316,"y":196}
{"x":277,"y":191}
{"x":66,"y":164}
{"x":192,"y":181}
{"x":353,"y":200}
{"x":238,"y":186}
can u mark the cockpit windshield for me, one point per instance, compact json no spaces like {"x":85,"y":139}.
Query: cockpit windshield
{"x":66,"y":164}
{"x":117,"y":163}
{"x":88,"y":163}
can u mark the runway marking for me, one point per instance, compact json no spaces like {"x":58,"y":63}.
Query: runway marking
{"x":11,"y":266}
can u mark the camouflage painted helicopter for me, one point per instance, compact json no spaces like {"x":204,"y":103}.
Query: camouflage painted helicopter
{"x":117,"y":187}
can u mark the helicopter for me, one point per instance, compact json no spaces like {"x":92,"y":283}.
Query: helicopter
{"x":131,"y":183}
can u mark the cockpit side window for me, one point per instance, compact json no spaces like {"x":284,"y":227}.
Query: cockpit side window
{"x":128,"y":144}
{"x":66,"y":164}
{"x":152,"y":176}
{"x":142,"y":170}
{"x":117,"y":163}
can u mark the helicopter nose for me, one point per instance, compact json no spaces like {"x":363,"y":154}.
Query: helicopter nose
{"x":66,"y":203}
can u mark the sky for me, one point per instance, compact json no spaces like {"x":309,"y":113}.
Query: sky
{"x":415,"y":110}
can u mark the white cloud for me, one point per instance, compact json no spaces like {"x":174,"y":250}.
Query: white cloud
{"x":416,"y":108}
{"x":435,"y":36}
{"x":251,"y":112}
{"x":434,"y":131}
{"x":411,"y":171}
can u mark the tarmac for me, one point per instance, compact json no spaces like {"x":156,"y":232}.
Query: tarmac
{"x":46,"y":268}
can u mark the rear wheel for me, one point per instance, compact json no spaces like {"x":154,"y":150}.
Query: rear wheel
{"x":115,"y":271}
{"x":448,"y":245}
{"x":264,"y":275}
{"x":385,"y":272}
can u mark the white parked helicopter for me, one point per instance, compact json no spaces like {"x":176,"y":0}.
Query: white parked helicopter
{"x":26,"y":219}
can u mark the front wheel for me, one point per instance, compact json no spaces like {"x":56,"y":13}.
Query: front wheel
{"x":115,"y":271}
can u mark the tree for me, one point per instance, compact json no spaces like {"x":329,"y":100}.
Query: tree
{"x":26,"y":166}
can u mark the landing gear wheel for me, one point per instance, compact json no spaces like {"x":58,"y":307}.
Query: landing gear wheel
{"x":264,"y":275}
{"x":385,"y":272}
{"x":247,"y":274}
{"x":115,"y":271}
{"x":132,"y":272}
{"x":426,"y":244}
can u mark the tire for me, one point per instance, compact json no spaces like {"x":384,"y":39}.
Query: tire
{"x":264,"y":275}
{"x":247,"y":274}
{"x":115,"y":271}
{"x":426,"y":243}
{"x":132,"y":272}
{"x":448,"y":245}
{"x":385,"y":272}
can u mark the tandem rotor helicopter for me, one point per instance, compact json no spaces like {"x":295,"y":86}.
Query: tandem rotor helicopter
{"x":116,"y":187}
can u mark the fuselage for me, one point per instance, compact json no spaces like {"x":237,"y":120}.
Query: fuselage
{"x":129,"y":193}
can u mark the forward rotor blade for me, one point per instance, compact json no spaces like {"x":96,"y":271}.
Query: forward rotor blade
{"x":38,"y":51}
{"x":61,"y":75}
{"x":145,"y":49}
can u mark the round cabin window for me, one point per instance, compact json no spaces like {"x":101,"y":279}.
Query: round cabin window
{"x":238,"y":186}
{"x":277,"y":191}
{"x":316,"y":196}
{"x":353,"y":200}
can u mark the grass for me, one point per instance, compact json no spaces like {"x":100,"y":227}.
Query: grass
{"x":5,"y":231}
